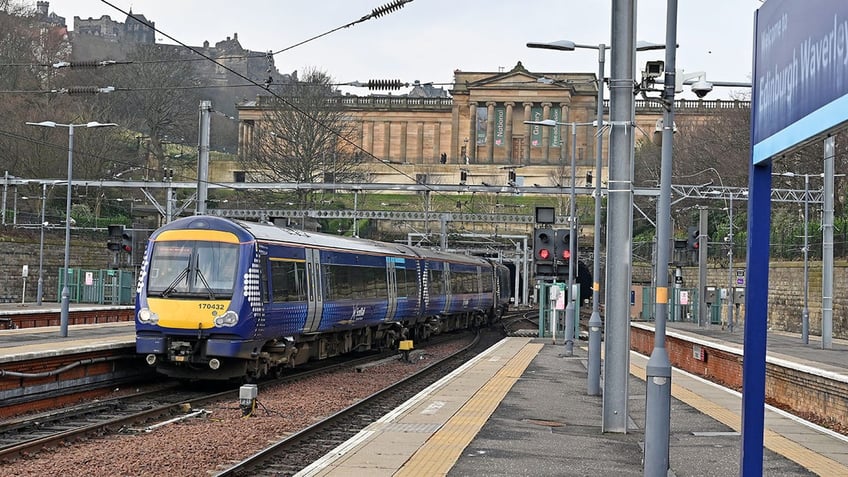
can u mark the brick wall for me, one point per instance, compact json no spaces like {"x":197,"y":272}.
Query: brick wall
{"x":805,"y":394}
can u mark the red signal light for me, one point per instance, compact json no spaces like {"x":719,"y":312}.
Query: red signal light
{"x":566,"y":254}
{"x":696,"y":245}
{"x":544,"y":254}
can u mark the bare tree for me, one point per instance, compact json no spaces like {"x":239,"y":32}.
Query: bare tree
{"x":155,"y":97}
{"x":304,"y":138}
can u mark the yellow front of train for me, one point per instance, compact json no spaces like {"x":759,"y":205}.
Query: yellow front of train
{"x":193,"y":314}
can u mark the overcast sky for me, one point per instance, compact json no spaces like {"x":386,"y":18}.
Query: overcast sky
{"x":428,"y":39}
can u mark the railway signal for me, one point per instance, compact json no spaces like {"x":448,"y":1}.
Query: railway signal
{"x":543,"y":251}
{"x":562,"y":246}
{"x":692,"y":236}
{"x":126,"y":242}
{"x":116,"y":232}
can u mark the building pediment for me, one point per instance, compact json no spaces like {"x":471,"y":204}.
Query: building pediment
{"x":519,"y":78}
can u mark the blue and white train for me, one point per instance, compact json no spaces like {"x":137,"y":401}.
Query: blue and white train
{"x":221,"y":299}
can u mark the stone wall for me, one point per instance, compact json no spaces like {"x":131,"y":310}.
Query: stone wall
{"x":786,"y":293}
{"x":21,"y":246}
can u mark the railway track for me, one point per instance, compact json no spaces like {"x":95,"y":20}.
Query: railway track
{"x":298,"y":450}
{"x":141,"y":411}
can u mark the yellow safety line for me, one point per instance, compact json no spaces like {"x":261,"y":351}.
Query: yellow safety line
{"x":772,"y":440}
{"x":438,"y":455}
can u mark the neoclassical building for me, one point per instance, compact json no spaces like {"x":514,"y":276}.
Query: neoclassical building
{"x":480,"y":127}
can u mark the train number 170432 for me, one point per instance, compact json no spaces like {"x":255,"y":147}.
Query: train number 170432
{"x":210,"y":306}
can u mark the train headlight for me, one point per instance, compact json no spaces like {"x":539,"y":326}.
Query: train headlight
{"x":229,"y":318}
{"x":148,"y":317}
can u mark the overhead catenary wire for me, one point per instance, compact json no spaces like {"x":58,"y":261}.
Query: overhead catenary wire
{"x":376,"y":13}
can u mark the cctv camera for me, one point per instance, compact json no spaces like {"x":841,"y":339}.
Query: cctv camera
{"x":701,"y":88}
{"x":653,"y":70}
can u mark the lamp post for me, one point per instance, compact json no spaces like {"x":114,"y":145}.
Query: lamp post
{"x":571,"y":308}
{"x":63,"y":321}
{"x":731,"y":284}
{"x":593,"y":385}
{"x":40,"y":293}
{"x":805,"y":313}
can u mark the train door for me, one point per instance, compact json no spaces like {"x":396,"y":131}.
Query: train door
{"x":314,"y":296}
{"x":391,"y":281}
{"x":448,"y":286}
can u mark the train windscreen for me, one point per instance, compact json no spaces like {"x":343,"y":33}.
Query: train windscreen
{"x":192,"y":268}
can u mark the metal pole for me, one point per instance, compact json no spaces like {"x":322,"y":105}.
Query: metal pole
{"x":203,"y":157}
{"x":355,"y":204}
{"x":619,"y":221}
{"x":571,"y":306}
{"x":827,"y":245}
{"x":731,"y":286}
{"x":525,"y":272}
{"x":805,"y":314}
{"x":703,"y":319}
{"x":658,"y":369}
{"x":40,"y":292}
{"x":593,"y":385}
{"x":66,"y":293}
{"x":5,"y":192}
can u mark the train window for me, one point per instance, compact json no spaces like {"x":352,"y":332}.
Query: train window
{"x":263,"y":279}
{"x":193,"y":267}
{"x":488,"y":283}
{"x":437,"y":282}
{"x":168,"y":264}
{"x":216,"y":264}
{"x":288,"y":281}
{"x":407,"y":282}
{"x":344,"y":282}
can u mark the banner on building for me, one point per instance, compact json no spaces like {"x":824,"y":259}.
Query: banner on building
{"x":482,"y":118}
{"x":556,"y":132}
{"x":500,"y":125}
{"x":536,"y":130}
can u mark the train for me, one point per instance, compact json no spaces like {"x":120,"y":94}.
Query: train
{"x":224,"y":299}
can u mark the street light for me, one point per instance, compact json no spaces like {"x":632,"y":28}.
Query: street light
{"x":40,"y":293}
{"x":63,"y":321}
{"x":570,"y":309}
{"x":805,"y":313}
{"x":595,"y":323}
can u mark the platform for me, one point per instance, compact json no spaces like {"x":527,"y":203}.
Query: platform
{"x":42,"y":342}
{"x":521,"y":409}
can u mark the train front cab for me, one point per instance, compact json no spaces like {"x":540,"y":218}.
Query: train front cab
{"x":194,"y":313}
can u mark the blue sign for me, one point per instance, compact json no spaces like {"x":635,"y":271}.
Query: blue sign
{"x":800,"y":86}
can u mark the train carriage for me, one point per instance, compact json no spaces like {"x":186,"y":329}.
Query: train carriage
{"x":219,"y":298}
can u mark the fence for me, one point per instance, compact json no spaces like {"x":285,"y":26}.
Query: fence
{"x":112,"y":287}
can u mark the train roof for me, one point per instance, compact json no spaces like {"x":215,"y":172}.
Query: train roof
{"x":289,"y":235}
{"x":247,"y":231}
{"x":285,"y":234}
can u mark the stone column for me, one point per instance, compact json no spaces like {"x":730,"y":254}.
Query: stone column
{"x":546,"y":133}
{"x":456,"y":139}
{"x":490,"y":131}
{"x":241,"y":145}
{"x":472,"y":133}
{"x":508,"y":133}
{"x":387,"y":140}
{"x":419,"y":146}
{"x":404,"y":127}
{"x":526,"y":158}
{"x":565,"y":134}
{"x":437,"y":140}
{"x":369,"y":143}
{"x":249,"y":137}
